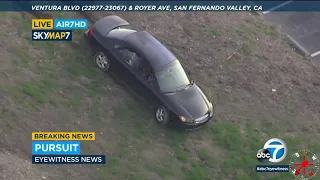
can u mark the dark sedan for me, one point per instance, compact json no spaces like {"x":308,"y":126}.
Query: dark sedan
{"x":153,"y":67}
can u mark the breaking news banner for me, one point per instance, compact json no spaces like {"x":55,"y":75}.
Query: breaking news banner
{"x":169,"y":6}
{"x":63,"y":136}
{"x":62,"y":148}
{"x":56,"y":29}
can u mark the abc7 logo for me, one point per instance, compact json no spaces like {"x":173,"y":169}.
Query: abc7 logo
{"x":263,"y":155}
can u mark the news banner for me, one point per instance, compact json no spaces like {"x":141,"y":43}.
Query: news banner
{"x":102,"y":7}
{"x":63,"y":148}
{"x":165,"y":6}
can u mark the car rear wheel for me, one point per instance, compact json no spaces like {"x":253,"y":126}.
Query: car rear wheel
{"x":162,"y":115}
{"x":101,"y":60}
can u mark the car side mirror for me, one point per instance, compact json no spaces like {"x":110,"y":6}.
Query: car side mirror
{"x":189,"y":73}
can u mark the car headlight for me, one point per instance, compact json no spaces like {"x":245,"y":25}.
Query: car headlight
{"x":184,"y":119}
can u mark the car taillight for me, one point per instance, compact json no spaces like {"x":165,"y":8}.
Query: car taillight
{"x":90,"y":31}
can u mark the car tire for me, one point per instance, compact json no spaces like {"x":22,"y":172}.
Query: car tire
{"x":162,"y":115}
{"x":101,"y":61}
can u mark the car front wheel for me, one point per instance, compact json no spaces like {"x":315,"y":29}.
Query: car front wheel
{"x":101,"y":60}
{"x":162,"y":115}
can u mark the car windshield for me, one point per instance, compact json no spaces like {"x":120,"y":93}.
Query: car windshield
{"x":172,"y":78}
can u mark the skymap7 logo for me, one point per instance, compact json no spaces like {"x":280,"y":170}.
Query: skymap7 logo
{"x":51,"y":35}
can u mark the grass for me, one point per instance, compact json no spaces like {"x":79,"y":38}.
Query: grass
{"x":215,"y":33}
{"x":22,"y":56}
{"x":142,"y":150}
{"x":76,"y":100}
{"x":36,"y":91}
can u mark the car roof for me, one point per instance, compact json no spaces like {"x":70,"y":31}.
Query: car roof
{"x":155,"y":52}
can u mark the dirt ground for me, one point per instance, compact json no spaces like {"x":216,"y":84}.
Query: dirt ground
{"x":234,"y":57}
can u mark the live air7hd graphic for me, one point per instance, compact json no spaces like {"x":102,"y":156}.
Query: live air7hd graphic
{"x":56,"y":29}
{"x":304,"y":164}
{"x":274,"y":151}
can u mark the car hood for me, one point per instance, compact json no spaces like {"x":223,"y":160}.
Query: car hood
{"x":190,"y":102}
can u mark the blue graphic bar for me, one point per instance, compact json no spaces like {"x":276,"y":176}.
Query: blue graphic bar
{"x":68,"y":159}
{"x":272,"y":168}
{"x":70,"y":24}
{"x":92,"y":6}
{"x":161,"y":0}
{"x":55,"y":147}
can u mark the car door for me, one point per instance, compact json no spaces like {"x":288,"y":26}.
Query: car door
{"x":127,"y":57}
{"x":146,"y":76}
{"x":130,"y":61}
{"x":135,"y":77}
